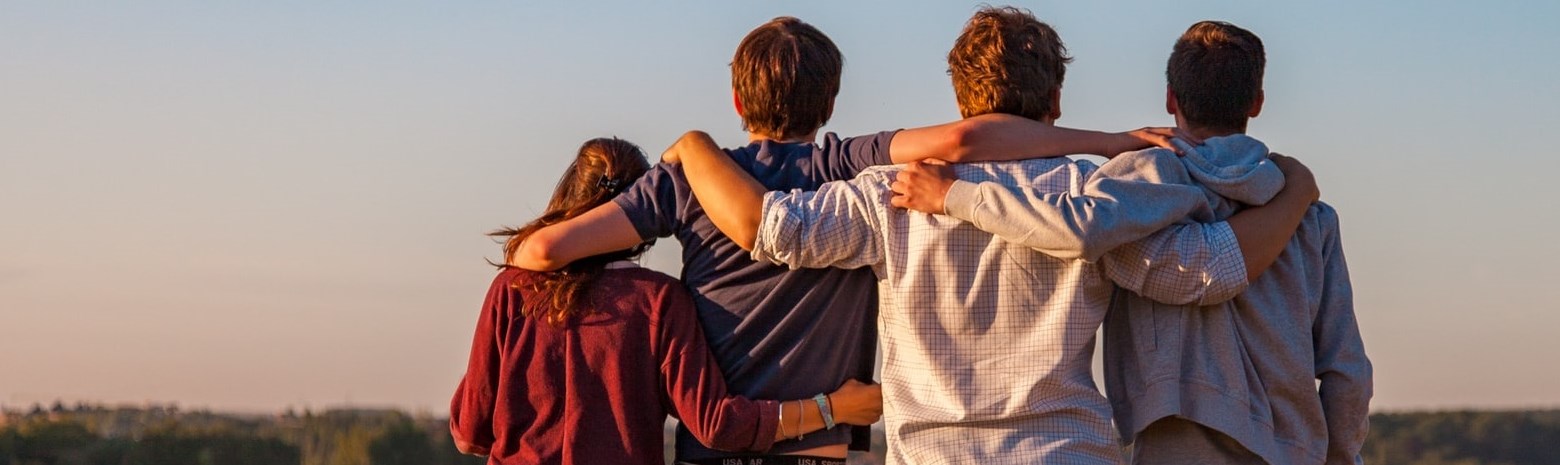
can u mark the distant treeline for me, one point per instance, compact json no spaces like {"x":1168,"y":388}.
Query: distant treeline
{"x":87,"y":435}
{"x":1464,"y":438}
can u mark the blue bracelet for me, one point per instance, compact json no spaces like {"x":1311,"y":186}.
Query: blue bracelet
{"x":826,"y":409}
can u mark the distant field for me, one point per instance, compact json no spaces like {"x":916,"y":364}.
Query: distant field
{"x":91,"y":435}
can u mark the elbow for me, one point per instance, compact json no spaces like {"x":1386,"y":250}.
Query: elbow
{"x":1252,"y":274}
{"x":537,"y":253}
{"x":959,"y":145}
{"x":1089,"y":253}
{"x":1089,"y":249}
{"x":741,"y":228}
{"x":693,"y":136}
{"x":464,"y":442}
{"x":470,"y":449}
{"x":686,"y":144}
{"x":746,"y":240}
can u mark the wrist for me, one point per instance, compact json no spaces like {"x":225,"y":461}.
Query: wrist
{"x":825,"y":410}
{"x":1116,"y":143}
{"x":960,"y":199}
{"x":942,"y":197}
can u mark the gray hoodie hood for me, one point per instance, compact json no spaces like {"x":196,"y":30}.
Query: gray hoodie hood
{"x":1233,"y":170}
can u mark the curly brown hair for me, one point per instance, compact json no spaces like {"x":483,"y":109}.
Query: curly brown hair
{"x":1006,"y":61}
{"x":602,"y":168}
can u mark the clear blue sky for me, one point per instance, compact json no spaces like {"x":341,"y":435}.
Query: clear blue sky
{"x":250,"y":205}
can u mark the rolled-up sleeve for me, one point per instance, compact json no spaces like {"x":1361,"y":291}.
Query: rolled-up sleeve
{"x":1188,"y":263}
{"x":835,"y":226}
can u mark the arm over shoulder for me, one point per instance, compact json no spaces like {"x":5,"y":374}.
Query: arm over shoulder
{"x":1186,"y":263}
{"x":839,"y":225}
{"x":1127,"y":199}
{"x":647,"y":210}
{"x":843,"y":159}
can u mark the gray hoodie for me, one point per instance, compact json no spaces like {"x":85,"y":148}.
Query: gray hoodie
{"x":1247,"y":366}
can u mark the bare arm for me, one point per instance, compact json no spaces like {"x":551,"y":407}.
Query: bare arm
{"x":601,"y":230}
{"x":854,"y":403}
{"x":1264,"y":231}
{"x":1000,"y":137}
{"x":730,"y":196}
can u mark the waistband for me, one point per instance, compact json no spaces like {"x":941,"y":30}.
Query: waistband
{"x":767,"y":460}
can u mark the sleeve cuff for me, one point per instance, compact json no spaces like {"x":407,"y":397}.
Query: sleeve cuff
{"x":961,"y":200}
{"x":767,"y":241}
{"x":768,"y":421}
{"x":1228,"y":272}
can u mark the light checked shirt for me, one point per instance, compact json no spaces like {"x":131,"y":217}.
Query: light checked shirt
{"x":987,"y":344}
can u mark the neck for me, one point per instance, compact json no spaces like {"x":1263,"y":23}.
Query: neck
{"x":808,"y":138}
{"x":1209,"y":133}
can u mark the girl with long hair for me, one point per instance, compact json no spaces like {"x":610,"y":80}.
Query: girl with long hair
{"x":582,"y":365}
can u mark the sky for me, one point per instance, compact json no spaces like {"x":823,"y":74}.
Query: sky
{"x":255,"y":205}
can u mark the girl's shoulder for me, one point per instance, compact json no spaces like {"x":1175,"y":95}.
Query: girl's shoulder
{"x":646,"y":281}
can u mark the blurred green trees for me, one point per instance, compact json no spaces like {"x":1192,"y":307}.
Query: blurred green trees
{"x":167,"y":436}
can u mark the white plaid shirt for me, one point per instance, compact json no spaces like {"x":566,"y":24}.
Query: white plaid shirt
{"x":987,"y":344}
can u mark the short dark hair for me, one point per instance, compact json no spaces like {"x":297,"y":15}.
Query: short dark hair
{"x":1006,"y":61}
{"x":786,"y":74}
{"x":1215,"y":73}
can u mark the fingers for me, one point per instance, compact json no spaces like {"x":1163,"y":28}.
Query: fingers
{"x":1296,"y":175}
{"x":1157,"y":137}
{"x":1288,"y":164}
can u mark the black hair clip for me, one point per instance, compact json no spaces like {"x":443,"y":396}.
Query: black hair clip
{"x":608,"y":183}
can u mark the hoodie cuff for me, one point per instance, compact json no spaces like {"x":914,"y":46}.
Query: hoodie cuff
{"x":961,"y":200}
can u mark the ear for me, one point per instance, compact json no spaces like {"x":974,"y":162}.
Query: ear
{"x":1171,"y":105}
{"x":1256,"y":105}
{"x":736,"y":102}
{"x":1056,"y":103}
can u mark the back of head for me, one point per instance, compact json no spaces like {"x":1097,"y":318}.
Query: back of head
{"x":1215,"y":73}
{"x":1006,"y":61}
{"x":785,"y":74}
{"x":602,"y":169}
